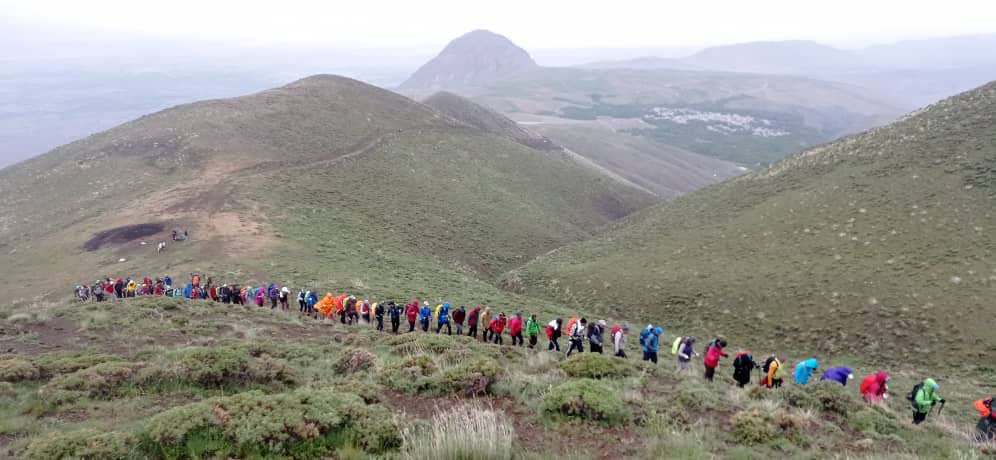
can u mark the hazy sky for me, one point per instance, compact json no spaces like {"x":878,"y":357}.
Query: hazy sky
{"x":530,"y":23}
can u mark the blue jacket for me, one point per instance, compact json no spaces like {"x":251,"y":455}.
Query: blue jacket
{"x":805,"y":369}
{"x":837,"y":374}
{"x":311,"y":300}
{"x":425,"y":312}
{"x":650,"y":344}
{"x":187,"y":290}
{"x":168,"y":281}
{"x":444,"y":313}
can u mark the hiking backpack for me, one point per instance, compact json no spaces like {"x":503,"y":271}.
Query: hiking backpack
{"x":767,"y":364}
{"x":911,"y":396}
{"x":615,"y":329}
{"x":676,"y":345}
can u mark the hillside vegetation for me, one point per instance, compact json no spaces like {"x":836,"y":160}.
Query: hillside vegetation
{"x":172,"y":378}
{"x":879,"y":246}
{"x":283,"y":182}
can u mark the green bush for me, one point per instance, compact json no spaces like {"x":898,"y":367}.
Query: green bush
{"x":219,"y":366}
{"x":586,"y":399}
{"x":86,"y":444}
{"x":874,"y":420}
{"x":826,"y":396}
{"x":98,"y":381}
{"x":595,"y":366}
{"x":756,"y":426}
{"x":355,"y":360}
{"x":17,"y":369}
{"x":66,"y":362}
{"x":306,"y":423}
{"x":410,"y":375}
{"x":473,"y":378}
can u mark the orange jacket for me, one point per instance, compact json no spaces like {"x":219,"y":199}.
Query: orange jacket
{"x":984,"y":406}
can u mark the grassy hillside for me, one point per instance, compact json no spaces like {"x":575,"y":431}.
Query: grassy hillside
{"x":171,"y":378}
{"x":878,"y":246}
{"x":324,"y":167}
{"x":487,"y":120}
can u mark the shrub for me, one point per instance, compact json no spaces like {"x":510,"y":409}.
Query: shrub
{"x":420,"y":344}
{"x":468,"y":432}
{"x":587,"y":399}
{"x":66,"y":362}
{"x":355,"y":360}
{"x":17,"y":369}
{"x":86,"y":444}
{"x":757,"y":426}
{"x":595,"y":366}
{"x":874,"y":420}
{"x":410,"y":375}
{"x":824,"y":396}
{"x":219,"y":366}
{"x":306,"y":423}
{"x":99,"y":381}
{"x":473,"y":378}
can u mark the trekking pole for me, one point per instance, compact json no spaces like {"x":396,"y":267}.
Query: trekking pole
{"x":940,"y":408}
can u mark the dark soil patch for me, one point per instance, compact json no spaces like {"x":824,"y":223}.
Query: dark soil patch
{"x":39,"y":337}
{"x":122,"y":235}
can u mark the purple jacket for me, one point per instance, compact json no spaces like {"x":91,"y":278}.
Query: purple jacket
{"x":837,"y":374}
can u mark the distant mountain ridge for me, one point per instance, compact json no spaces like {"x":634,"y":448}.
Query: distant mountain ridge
{"x":476,"y":57}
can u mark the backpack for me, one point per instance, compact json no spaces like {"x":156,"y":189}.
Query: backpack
{"x":676,"y":345}
{"x":615,"y":329}
{"x":911,"y":396}
{"x":767,"y":364}
{"x":570,"y":325}
{"x":643,"y":336}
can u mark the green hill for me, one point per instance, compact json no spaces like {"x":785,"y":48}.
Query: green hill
{"x":878,"y":246}
{"x":324,"y":179}
{"x":464,"y":111}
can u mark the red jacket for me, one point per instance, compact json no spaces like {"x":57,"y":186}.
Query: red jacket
{"x":874,"y":386}
{"x":412,"y":312}
{"x":499,"y":325}
{"x":515,"y":325}
{"x":713,"y":354}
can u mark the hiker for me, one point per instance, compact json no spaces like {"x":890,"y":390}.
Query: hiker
{"x":774,"y":377}
{"x":274,"y":294}
{"x":804,"y":370}
{"x":686,"y":351}
{"x":532,"y":331}
{"x":619,"y":334}
{"x":458,"y":317}
{"x":515,"y":329}
{"x":424,"y":314}
{"x":576,"y":332}
{"x":472,"y":319}
{"x":118,"y":288}
{"x":168,"y":281}
{"x":310,"y":300}
{"x":186,"y":235}
{"x":498,"y":326}
{"x":302,"y":304}
{"x":443,"y":318}
{"x":839,"y":374}
{"x":284,"y":298}
{"x":130,"y":288}
{"x":595,"y":332}
{"x":487,"y":316}
{"x":986,"y":428}
{"x":923,"y":398}
{"x":98,"y":291}
{"x":411,"y":311}
{"x":553,"y":334}
{"x":174,"y":235}
{"x":379,"y":315}
{"x":365,"y":311}
{"x":651,"y":344}
{"x":395,"y":313}
{"x":713,"y":352}
{"x":743,"y":364}
{"x":352,"y":317}
{"x":260,"y":294}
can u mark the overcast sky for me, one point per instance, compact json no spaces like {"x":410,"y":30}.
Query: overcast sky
{"x":530,"y":23}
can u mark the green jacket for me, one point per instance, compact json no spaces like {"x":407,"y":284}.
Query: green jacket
{"x":926,"y":397}
{"x":532,"y":327}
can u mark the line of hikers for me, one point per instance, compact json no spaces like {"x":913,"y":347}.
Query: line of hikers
{"x":492,"y":326}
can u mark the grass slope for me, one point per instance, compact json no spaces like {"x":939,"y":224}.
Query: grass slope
{"x":487,"y":120}
{"x":325,"y":162}
{"x":879,"y":245}
{"x":171,"y":378}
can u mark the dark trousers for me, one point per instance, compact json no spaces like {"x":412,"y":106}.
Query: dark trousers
{"x":472,"y":331}
{"x":919,"y":417}
{"x":497,"y":338}
{"x":302,"y":306}
{"x":273,"y":303}
{"x":596,"y":348}
{"x":488,"y":334}
{"x":395,"y":322}
{"x":553,"y":345}
{"x":459,"y":328}
{"x":439,"y":327}
{"x":710,"y":372}
{"x":380,"y":323}
{"x":532,"y":341}
{"x":576,"y":344}
{"x":517,"y":339}
{"x":621,"y":353}
{"x":425,"y":325}
{"x":650,"y":356}
{"x":411,"y":326}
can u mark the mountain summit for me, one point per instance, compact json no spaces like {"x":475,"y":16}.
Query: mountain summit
{"x":475,"y":57}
